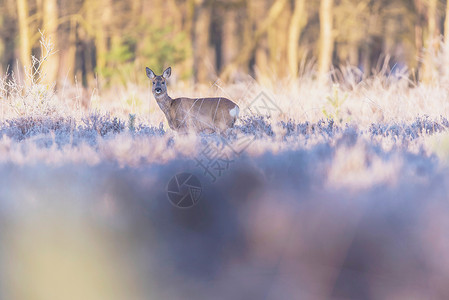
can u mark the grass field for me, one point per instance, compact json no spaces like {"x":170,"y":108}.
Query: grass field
{"x":320,"y":191}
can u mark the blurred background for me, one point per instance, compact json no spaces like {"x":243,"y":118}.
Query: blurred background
{"x":341,"y":195}
{"x":109,"y":42}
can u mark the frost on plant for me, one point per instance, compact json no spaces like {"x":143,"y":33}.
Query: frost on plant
{"x":31,"y":95}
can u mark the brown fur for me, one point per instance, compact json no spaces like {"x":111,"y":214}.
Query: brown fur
{"x":186,"y":114}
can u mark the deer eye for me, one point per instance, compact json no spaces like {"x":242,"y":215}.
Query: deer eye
{"x":163,"y":82}
{"x":154,"y":82}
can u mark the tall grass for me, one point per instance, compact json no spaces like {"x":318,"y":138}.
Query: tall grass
{"x":341,"y":192}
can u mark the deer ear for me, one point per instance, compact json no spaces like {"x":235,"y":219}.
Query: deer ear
{"x":167,"y":73}
{"x":150,"y":73}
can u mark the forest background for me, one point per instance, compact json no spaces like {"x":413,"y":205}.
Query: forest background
{"x":103,"y":43}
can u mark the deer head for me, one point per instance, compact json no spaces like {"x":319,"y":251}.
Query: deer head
{"x":159,"y":83}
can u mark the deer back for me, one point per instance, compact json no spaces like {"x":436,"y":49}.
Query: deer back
{"x":203,"y":114}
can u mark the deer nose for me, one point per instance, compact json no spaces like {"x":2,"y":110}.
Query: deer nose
{"x":158,"y":90}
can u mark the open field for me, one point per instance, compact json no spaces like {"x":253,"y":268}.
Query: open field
{"x":332,"y":183}
{"x":336,"y":192}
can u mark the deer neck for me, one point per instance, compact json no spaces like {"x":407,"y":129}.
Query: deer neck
{"x":164,"y":101}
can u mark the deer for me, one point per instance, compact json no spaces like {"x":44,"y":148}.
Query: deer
{"x":201,"y":115}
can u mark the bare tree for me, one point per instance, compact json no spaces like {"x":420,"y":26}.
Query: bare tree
{"x":297,"y":23}
{"x":50,"y":26}
{"x":326,"y":44}
{"x":202,"y":37}
{"x":278,"y":35}
{"x":201,"y":59}
{"x":24,"y":35}
{"x":446,"y":24}
{"x":247,"y":50}
{"x":446,"y":39}
{"x":101,"y":28}
{"x":230,"y":35}
{"x":430,"y":41}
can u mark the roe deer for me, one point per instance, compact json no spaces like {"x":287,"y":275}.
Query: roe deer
{"x":201,"y":114}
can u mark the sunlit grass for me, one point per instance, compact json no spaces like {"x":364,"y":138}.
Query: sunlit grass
{"x":90,"y":176}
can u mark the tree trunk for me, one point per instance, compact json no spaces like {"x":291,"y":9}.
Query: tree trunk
{"x":249,"y":46}
{"x":188,"y":13}
{"x":430,"y":42}
{"x":201,"y":58}
{"x":230,"y":34}
{"x":9,"y":32}
{"x":68,"y":52}
{"x":278,"y":43}
{"x":432,"y":23}
{"x":298,"y":21}
{"x":326,"y":45}
{"x":101,"y":34}
{"x":71,"y":52}
{"x":419,"y":35}
{"x":50,"y":27}
{"x":24,"y":36}
{"x":3,"y":16}
{"x":254,"y":9}
{"x":446,"y":24}
{"x":446,"y":40}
